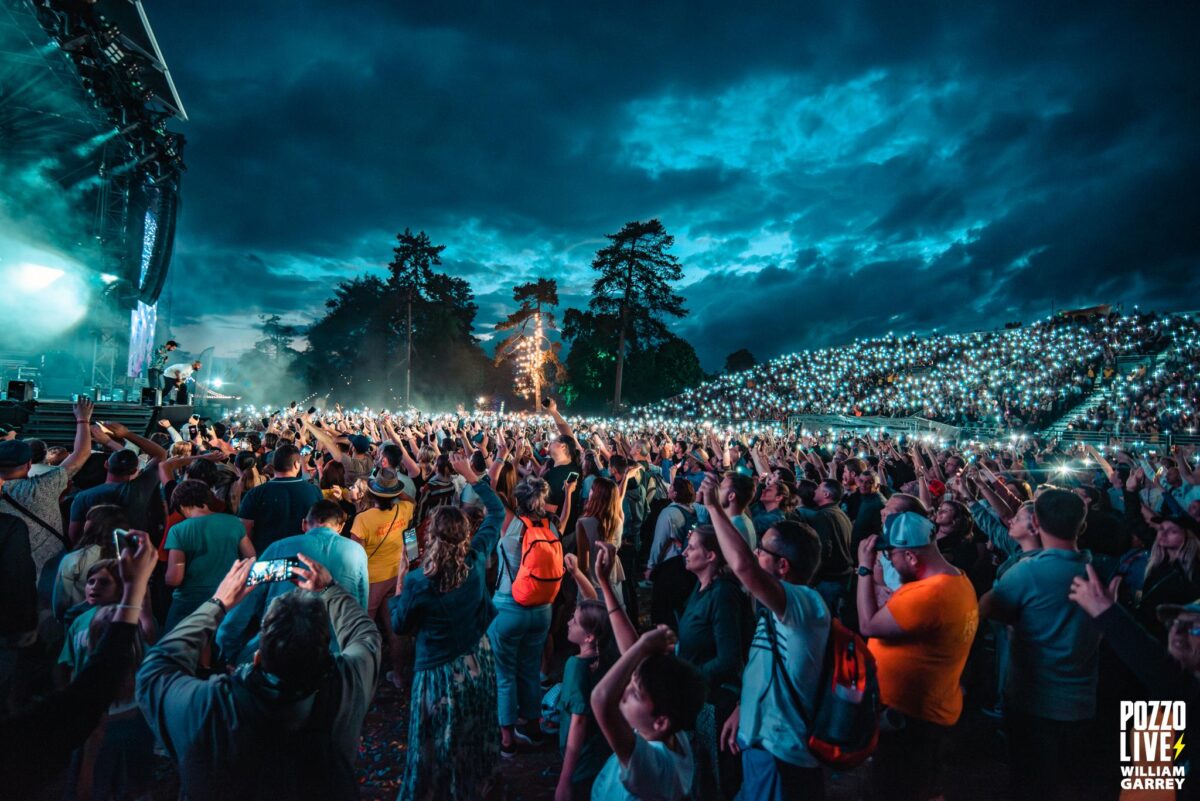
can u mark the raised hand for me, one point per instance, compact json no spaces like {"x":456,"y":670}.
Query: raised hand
{"x":314,"y":576}
{"x":461,"y":464}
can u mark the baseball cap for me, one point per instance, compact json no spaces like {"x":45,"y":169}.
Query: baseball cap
{"x":1167,"y":611}
{"x":123,"y":463}
{"x":360,"y":442}
{"x":905,"y":530}
{"x":14,"y":453}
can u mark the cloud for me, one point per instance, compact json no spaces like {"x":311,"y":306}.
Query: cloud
{"x":829,"y":171}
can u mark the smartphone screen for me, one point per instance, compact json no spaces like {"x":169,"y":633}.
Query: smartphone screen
{"x":572,"y":477}
{"x":272,"y":570}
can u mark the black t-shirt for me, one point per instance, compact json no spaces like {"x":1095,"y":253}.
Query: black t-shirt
{"x":557,"y":476}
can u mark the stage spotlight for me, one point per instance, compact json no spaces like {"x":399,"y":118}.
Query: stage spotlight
{"x":36,"y":277}
{"x":217,"y":383}
{"x":108,"y":278}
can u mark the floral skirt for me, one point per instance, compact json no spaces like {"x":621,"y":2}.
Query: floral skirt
{"x":453,"y":733}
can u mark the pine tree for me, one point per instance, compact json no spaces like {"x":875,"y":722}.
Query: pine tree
{"x":412,"y":271}
{"x":633,"y":288}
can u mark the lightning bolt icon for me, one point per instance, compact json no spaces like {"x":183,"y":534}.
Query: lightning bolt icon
{"x":1178,"y":746}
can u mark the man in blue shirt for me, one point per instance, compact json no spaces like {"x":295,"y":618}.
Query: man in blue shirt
{"x":275,"y":509}
{"x":345,"y":559}
{"x":1051,"y":694}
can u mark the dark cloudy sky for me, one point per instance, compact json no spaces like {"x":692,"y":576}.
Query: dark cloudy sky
{"x":829,"y":170}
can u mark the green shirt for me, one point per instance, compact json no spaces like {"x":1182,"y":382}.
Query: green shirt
{"x":210,"y":547}
{"x":576,"y":699}
{"x":1055,"y":645}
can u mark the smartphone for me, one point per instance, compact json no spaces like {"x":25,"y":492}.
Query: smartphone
{"x":572,"y":477}
{"x":410,"y":545}
{"x":122,"y":539}
{"x":545,"y":403}
{"x":272,"y":570}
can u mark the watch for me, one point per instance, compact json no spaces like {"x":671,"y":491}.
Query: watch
{"x":864,"y":571}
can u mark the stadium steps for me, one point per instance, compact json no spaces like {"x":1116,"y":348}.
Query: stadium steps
{"x":54,"y":421}
{"x":1098,"y":395}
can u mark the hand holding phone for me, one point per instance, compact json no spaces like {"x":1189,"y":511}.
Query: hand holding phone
{"x":272,"y":570}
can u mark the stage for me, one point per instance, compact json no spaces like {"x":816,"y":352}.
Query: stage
{"x":53,"y":421}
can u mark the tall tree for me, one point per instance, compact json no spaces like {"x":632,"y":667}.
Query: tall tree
{"x":278,"y":336}
{"x":528,"y":348}
{"x":412,"y":271}
{"x":633,"y":288}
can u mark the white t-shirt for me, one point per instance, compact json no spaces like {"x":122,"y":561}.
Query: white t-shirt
{"x":179,"y":371}
{"x":769,"y":718}
{"x":654,"y":772}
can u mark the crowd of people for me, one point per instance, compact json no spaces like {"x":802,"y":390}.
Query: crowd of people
{"x":1151,"y":401}
{"x":664,"y":603}
{"x":1021,"y":378}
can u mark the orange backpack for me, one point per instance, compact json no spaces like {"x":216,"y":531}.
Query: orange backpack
{"x":537,"y":579}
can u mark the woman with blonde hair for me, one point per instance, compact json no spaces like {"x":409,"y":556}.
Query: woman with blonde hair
{"x":602,"y":521}
{"x":1173,"y":569}
{"x":249,"y":477}
{"x":452,"y":726}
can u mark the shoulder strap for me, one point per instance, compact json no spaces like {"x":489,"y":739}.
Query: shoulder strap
{"x":25,"y":511}
{"x":512,"y":574}
{"x":387,"y":534}
{"x":781,"y":669}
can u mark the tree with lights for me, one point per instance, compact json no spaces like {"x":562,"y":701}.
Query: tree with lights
{"x":412,"y":274}
{"x":528,"y":348}
{"x":633,"y":289}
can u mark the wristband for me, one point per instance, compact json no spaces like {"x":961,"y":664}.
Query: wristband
{"x":614,"y":609}
{"x":129,"y":606}
{"x":219,"y":603}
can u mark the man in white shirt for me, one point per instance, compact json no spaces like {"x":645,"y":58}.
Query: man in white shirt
{"x":768,"y":728}
{"x":177,"y":376}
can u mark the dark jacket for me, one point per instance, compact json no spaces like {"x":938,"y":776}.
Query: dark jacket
{"x":18,"y":580}
{"x":36,"y":744}
{"x":243,"y":736}
{"x":834,"y":528}
{"x":451,"y":624}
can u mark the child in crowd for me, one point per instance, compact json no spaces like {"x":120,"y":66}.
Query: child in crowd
{"x":582,"y":744}
{"x":643,"y":706}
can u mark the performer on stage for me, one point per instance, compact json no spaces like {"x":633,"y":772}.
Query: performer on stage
{"x":154,"y":374}
{"x":176,"y":377}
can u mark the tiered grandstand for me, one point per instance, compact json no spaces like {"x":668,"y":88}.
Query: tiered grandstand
{"x":1131,"y":373}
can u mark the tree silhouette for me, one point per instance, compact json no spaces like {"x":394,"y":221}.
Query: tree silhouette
{"x":528,"y":348}
{"x":739,"y":360}
{"x":633,"y":288}
{"x":412,"y":272}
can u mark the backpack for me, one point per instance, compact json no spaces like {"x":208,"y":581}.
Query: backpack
{"x":844,"y":727}
{"x":653,"y":483}
{"x":537,"y":579}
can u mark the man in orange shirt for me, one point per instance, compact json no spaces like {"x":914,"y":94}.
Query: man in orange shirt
{"x":920,"y":640}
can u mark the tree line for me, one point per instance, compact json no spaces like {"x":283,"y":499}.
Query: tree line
{"x":411,"y":338}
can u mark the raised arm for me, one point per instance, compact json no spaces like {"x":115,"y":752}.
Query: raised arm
{"x":82,"y":448}
{"x":154,"y":451}
{"x":606,"y":695}
{"x":623,"y":629}
{"x":564,"y":428}
{"x":761,"y":584}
